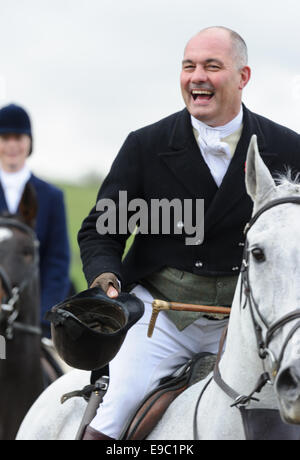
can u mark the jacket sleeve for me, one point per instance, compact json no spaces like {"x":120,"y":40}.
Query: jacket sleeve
{"x":102,"y":253}
{"x":55,"y":261}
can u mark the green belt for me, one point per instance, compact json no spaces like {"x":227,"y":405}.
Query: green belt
{"x":175,"y":285}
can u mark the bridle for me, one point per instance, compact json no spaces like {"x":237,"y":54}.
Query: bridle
{"x":241,"y":401}
{"x":263,"y":344}
{"x":9,"y":310}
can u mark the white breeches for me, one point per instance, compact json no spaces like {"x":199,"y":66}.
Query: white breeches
{"x":142,"y":362}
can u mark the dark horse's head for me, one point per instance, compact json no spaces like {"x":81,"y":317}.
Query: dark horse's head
{"x":21,"y":375}
{"x":19,"y":262}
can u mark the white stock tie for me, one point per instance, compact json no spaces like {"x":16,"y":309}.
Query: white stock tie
{"x":216,"y":153}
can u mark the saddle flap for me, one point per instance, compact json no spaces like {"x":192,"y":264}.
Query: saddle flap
{"x":154,"y":405}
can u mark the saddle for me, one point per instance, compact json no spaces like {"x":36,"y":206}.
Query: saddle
{"x":152,"y":408}
{"x":155,"y":404}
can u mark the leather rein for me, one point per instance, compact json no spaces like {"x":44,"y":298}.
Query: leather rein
{"x":9,"y":310}
{"x":241,"y":401}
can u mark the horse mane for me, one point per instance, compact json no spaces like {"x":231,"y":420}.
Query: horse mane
{"x":287,"y":178}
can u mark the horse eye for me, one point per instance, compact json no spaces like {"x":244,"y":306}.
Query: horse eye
{"x":27,"y":252}
{"x":258,"y":254}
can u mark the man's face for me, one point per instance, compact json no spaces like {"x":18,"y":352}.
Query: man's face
{"x":14,"y":149}
{"x":211,"y":82}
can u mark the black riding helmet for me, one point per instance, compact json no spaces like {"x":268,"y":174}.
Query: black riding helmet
{"x":89,"y":328}
{"x":15,"y":120}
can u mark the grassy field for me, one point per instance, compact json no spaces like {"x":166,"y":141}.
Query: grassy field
{"x":79,"y":201}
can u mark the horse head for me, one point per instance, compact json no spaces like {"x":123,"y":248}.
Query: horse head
{"x":19,"y":261}
{"x":272,"y":267}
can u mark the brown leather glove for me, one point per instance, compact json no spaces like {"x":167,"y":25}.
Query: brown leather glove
{"x":108,"y":282}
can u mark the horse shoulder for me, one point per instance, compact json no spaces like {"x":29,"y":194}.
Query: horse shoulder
{"x":48,"y":419}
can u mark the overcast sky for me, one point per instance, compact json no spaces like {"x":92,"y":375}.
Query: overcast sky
{"x":91,"y":71}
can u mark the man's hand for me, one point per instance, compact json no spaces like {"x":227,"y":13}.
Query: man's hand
{"x":108,"y":282}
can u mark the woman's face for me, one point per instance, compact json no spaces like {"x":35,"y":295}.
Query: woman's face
{"x":14,"y":150}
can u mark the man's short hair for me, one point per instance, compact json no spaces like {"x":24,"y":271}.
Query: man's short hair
{"x":239,"y":45}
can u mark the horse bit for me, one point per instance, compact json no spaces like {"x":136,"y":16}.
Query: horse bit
{"x":241,"y":401}
{"x":8,"y":310}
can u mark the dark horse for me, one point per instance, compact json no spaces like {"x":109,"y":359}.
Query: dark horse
{"x":22,"y":377}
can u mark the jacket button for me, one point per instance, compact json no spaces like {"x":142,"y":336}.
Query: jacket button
{"x":234,"y":269}
{"x":199,"y":264}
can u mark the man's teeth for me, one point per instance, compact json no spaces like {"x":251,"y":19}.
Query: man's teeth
{"x":198,"y":92}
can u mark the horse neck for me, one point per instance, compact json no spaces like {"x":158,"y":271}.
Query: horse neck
{"x":241,"y":366}
{"x":21,"y":374}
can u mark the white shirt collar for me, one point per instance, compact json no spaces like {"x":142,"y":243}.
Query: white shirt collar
{"x":15,"y":179}
{"x":220,"y":131}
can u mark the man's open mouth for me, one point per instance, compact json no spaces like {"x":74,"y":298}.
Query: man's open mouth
{"x":202,"y":94}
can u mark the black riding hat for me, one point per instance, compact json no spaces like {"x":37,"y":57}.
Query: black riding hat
{"x":88,"y":329}
{"x":15,"y":120}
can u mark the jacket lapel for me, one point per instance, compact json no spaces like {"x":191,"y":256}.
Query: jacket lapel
{"x":186,"y":162}
{"x":3,"y":202}
{"x":233,"y":187}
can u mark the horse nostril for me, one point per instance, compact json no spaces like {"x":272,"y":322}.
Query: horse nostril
{"x":288,"y":383}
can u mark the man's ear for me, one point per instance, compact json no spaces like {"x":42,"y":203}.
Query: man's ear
{"x":28,"y":207}
{"x":245,"y":77}
{"x":258,"y":177}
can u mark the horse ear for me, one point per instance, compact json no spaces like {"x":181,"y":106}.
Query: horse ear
{"x":259,"y":181}
{"x":28,"y":207}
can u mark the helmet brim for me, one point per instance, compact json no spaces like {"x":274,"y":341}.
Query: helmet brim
{"x":89,"y":328}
